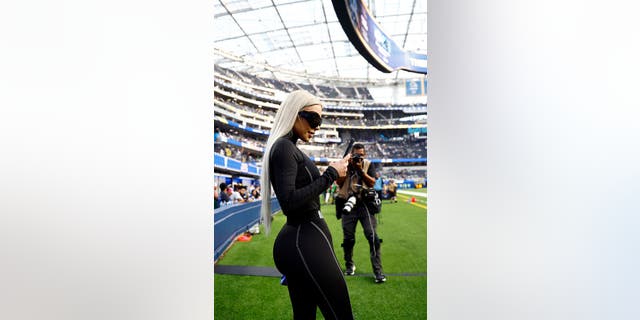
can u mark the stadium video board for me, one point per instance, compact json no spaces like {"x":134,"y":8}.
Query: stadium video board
{"x":372,"y":42}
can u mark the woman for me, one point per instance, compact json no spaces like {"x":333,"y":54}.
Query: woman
{"x":303,"y":250}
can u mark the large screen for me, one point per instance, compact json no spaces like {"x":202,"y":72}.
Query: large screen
{"x":372,"y":42}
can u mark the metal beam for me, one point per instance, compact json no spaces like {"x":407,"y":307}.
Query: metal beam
{"x":307,"y":25}
{"x":238,"y":24}
{"x":333,"y":50}
{"x":268,"y":31}
{"x":406,"y":34}
{"x":252,"y":9}
{"x":289,"y":34}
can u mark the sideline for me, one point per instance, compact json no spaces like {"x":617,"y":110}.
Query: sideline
{"x":273,"y":272}
{"x":413,"y":193}
{"x":423,"y":206}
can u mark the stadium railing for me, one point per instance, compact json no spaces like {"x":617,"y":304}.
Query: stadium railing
{"x":231,"y":221}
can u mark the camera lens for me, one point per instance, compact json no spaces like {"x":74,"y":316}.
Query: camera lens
{"x":349,"y":205}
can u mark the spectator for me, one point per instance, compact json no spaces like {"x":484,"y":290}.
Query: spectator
{"x":378,"y":185}
{"x":216,"y":198}
{"x":242,"y":190}
{"x":391,"y":189}
{"x":255,"y":193}
{"x":234,"y":196}
{"x":224,"y":196}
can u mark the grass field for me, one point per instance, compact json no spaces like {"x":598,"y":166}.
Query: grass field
{"x":402,"y":226}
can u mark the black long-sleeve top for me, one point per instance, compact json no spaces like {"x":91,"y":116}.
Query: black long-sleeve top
{"x":297,"y":181}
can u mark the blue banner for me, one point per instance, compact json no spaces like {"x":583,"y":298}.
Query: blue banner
{"x":243,"y":127}
{"x":419,"y":130}
{"x":413,"y":87}
{"x":223,"y":162}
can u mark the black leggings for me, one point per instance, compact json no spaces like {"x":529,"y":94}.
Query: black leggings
{"x":304,"y":254}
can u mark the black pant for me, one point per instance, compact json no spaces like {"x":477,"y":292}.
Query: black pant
{"x":369,"y":224}
{"x":304,"y":254}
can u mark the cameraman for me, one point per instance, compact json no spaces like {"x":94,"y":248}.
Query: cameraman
{"x":350,"y":206}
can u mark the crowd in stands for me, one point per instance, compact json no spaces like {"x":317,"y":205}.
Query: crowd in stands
{"x":237,"y":193}
{"x":246,"y":140}
{"x":388,"y":105}
{"x":242,"y":76}
{"x":376,"y":147}
{"x":226,"y":195}
{"x":240,"y":105}
{"x":360,"y":93}
{"x":328,"y":120}
{"x":251,"y":154}
{"x":398,"y":173}
{"x":252,"y":93}
{"x":237,"y":153}
{"x":322,"y":91}
{"x":335,"y":151}
{"x":398,"y":149}
{"x":377,"y":150}
{"x":385,"y":143}
{"x":350,"y":122}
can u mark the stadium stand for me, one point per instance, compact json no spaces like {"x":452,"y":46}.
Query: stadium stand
{"x":244,"y":107}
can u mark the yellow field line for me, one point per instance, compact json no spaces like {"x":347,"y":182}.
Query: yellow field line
{"x":413,"y":203}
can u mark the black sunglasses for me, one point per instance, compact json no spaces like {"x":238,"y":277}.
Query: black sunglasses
{"x":312,"y":118}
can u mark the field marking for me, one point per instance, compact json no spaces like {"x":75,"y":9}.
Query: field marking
{"x":413,"y":203}
{"x":273,"y":272}
{"x":413,"y":193}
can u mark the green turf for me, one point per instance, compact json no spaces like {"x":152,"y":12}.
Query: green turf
{"x":403,"y":230}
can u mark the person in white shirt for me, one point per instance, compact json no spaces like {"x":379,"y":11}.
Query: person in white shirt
{"x":235,"y":197}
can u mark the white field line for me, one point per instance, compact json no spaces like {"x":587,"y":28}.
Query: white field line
{"x":413,"y":193}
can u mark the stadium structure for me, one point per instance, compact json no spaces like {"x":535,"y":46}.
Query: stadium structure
{"x":266,"y":49}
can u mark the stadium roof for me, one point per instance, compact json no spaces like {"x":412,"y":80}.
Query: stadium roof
{"x":302,"y":40}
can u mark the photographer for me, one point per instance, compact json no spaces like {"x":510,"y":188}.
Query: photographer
{"x":354,"y":204}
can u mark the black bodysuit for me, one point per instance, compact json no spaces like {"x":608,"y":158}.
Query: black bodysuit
{"x":303,"y":250}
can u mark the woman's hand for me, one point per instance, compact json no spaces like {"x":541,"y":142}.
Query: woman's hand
{"x":341,"y":165}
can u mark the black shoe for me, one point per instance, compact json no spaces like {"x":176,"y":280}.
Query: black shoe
{"x":380,"y":278}
{"x":350,"y":270}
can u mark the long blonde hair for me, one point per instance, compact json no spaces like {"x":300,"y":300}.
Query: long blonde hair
{"x":282,"y":124}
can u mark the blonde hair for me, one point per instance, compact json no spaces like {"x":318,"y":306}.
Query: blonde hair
{"x":282,"y":124}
